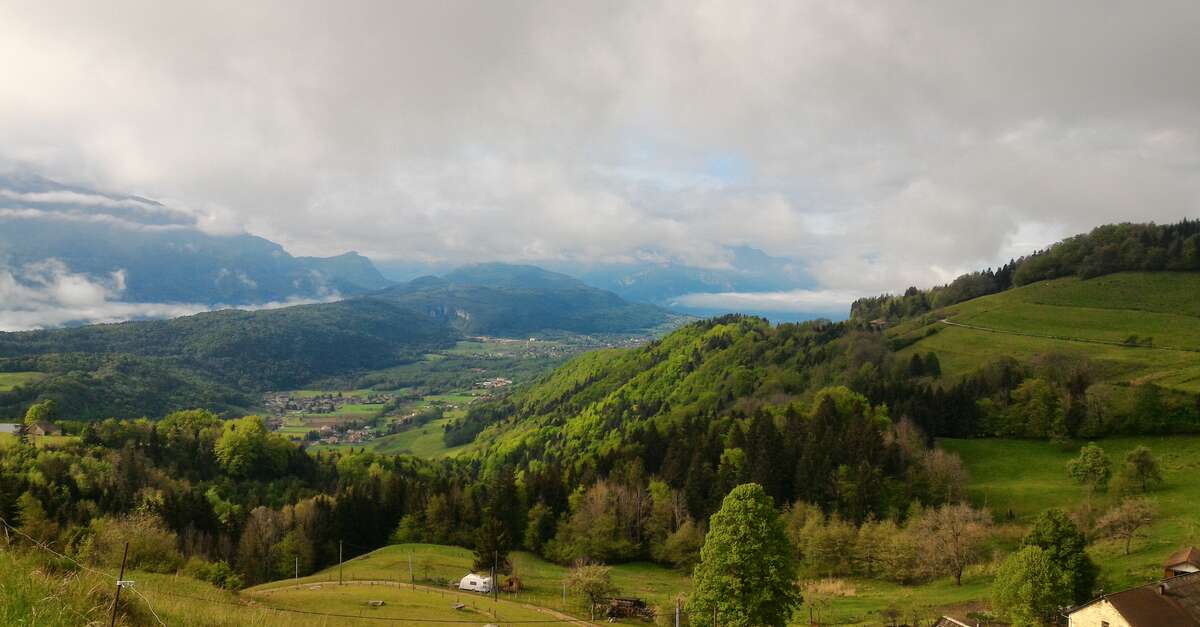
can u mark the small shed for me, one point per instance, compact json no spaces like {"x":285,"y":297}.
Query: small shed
{"x":475,"y":583}
{"x":1182,"y":562}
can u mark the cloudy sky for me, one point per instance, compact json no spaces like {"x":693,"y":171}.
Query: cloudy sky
{"x":880,"y":144}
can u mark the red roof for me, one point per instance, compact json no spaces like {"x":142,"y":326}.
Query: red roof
{"x":1186,"y":555}
{"x":1173,"y":602}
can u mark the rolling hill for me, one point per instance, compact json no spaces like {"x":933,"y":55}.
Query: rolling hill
{"x":217,"y":360}
{"x":1135,"y":327}
{"x":517,"y":301}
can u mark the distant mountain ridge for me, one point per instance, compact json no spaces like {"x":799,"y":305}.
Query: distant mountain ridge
{"x":148,"y":252}
{"x":515,"y":300}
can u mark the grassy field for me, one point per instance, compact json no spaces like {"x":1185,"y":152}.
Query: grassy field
{"x":10,"y":380}
{"x":1089,"y":319}
{"x":424,"y":441}
{"x":436,"y":566}
{"x":1028,"y":477}
{"x":31,"y":593}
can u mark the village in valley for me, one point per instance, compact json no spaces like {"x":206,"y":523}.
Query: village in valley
{"x":377,"y":409}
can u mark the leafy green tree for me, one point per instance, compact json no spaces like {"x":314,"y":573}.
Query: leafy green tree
{"x":539,"y":528}
{"x":1065,"y":545}
{"x":681,"y":549}
{"x":44,"y":411}
{"x":1092,"y":468}
{"x":1140,"y":472}
{"x":35,"y":522}
{"x":747,"y":569}
{"x":245,"y":449}
{"x":1030,"y":587}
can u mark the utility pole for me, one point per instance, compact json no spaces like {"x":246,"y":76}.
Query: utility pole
{"x":564,"y":595}
{"x":339,"y":562}
{"x":495,"y":564}
{"x":120,"y":580}
{"x":297,"y":576}
{"x":676,"y":612}
{"x":411,"y":578}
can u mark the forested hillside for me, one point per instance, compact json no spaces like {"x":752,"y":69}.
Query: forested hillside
{"x":212,"y":360}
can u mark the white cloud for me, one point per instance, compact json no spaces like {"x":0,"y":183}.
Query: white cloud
{"x":47,"y":294}
{"x":831,"y":302}
{"x":881,"y":144}
{"x":76,"y":215}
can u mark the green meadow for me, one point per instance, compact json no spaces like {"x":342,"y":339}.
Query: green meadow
{"x":1091,"y":319}
{"x":10,"y":380}
{"x":438,"y":567}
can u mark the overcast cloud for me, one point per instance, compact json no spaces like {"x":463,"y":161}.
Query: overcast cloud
{"x":880,"y":144}
{"x":47,"y":294}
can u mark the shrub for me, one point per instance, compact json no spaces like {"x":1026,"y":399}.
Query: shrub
{"x":151,"y":544}
{"x":219,"y":574}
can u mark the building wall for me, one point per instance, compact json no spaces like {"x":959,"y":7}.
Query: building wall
{"x":1095,"y":614}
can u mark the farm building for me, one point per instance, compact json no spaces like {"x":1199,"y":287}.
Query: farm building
{"x":475,"y":583}
{"x":44,"y":428}
{"x":13,"y":428}
{"x":1173,"y":602}
{"x":1182,"y":562}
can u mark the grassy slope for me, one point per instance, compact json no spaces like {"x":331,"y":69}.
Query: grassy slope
{"x":1029,"y":477}
{"x":1094,"y":313}
{"x":541,"y":580}
{"x":30,"y":594}
{"x":424,"y":441}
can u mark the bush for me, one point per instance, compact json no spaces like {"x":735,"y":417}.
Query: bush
{"x":219,"y":574}
{"x":151,"y":544}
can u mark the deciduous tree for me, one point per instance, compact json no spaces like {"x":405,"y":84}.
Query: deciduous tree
{"x":1126,"y":520}
{"x":1065,"y":545}
{"x":747,"y":569}
{"x":1092,"y":468}
{"x":1030,"y":587}
{"x":593,"y":581}
{"x":1140,"y":471}
{"x":952,"y":537}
